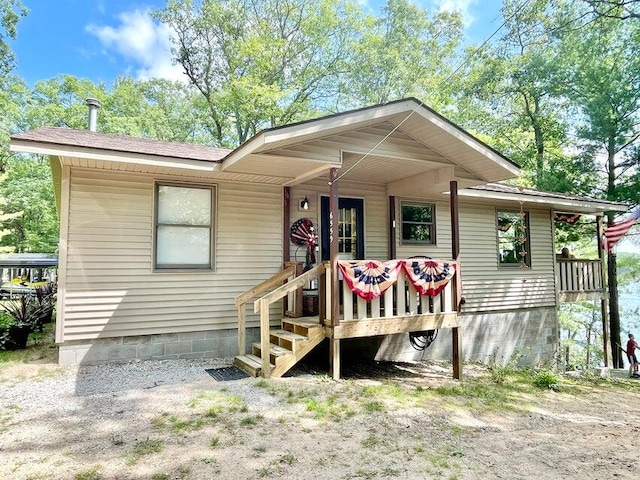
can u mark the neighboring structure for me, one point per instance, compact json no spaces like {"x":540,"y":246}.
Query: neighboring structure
{"x":22,"y":273}
{"x":161,"y":241}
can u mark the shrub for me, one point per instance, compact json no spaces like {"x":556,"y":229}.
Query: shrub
{"x":546,"y":379}
{"x":500,"y":371}
{"x":22,"y":316}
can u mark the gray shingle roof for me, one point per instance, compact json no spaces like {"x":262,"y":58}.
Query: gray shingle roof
{"x":502,"y":188}
{"x":120,"y":143}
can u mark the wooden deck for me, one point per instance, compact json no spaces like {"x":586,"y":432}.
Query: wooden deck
{"x":401,"y":309}
{"x":580,"y":279}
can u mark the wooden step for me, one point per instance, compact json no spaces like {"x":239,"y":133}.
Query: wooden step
{"x":301,"y":327}
{"x":275,"y":351}
{"x":251,"y":364}
{"x":287,"y":339}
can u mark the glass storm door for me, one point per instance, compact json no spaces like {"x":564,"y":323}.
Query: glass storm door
{"x":350,"y":228}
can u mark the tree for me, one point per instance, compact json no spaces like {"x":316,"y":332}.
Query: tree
{"x":616,"y":9}
{"x":513,"y":96}
{"x":402,"y":53}
{"x":155,"y":109}
{"x":10,"y":13}
{"x":603,"y":81}
{"x":28,"y":195}
{"x":261,"y":63}
{"x":581,"y":334}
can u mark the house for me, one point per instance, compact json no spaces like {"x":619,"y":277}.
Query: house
{"x":163,"y":245}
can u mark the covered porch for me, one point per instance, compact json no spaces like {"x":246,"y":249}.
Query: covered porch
{"x":401,"y":150}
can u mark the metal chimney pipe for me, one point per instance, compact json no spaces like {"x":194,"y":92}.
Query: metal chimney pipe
{"x":93,"y":104}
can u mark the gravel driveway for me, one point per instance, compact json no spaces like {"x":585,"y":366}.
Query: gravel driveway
{"x":171,"y":420}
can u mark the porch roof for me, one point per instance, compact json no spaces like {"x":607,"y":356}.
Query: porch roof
{"x":399,"y":144}
{"x":558,"y":202}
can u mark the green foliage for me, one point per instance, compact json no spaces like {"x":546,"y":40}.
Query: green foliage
{"x":500,"y":369}
{"x":10,"y":13}
{"x":28,"y":195}
{"x":546,"y":379}
{"x":403,"y":52}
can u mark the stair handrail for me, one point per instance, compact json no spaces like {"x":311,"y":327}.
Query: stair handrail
{"x":266,"y":285}
{"x":262,"y":305}
{"x":244,"y":297}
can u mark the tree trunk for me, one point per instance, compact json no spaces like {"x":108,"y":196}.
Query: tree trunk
{"x":588,"y":346}
{"x":612,"y":267}
{"x":614,"y":313}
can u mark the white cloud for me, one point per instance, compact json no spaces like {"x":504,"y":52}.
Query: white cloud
{"x":462,"y":6}
{"x":140,"y":40}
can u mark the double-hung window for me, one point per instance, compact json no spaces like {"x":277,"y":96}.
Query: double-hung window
{"x":513,"y":238}
{"x":418,"y":223}
{"x":184,"y":227}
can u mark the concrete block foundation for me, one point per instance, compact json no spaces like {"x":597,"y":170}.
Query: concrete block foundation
{"x":531,"y":334}
{"x":207,"y":344}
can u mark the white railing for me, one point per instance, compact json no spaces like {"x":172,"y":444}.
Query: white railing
{"x":399,"y":300}
{"x":575,"y":275}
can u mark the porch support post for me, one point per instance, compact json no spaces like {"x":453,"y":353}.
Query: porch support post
{"x":392,"y":227}
{"x":456,"y":334}
{"x":286,"y":248}
{"x":286,"y":220}
{"x":604,"y":308}
{"x":334,"y":346}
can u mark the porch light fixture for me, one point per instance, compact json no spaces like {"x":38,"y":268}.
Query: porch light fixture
{"x":304,"y":204}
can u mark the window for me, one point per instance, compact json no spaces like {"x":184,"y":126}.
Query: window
{"x":184,"y":227}
{"x":513,"y":238}
{"x":418,"y":223}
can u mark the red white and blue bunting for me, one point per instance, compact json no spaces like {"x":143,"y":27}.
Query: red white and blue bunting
{"x":369,"y":279}
{"x":429,"y":277}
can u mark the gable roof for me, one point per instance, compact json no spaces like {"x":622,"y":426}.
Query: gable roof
{"x":413,"y":126}
{"x":408,"y":100}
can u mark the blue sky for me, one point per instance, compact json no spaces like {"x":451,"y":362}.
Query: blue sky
{"x":101,"y":39}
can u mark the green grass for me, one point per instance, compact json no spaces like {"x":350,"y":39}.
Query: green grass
{"x":177,"y":424}
{"x":144,"y":448}
{"x":41,"y":346}
{"x":251,"y":420}
{"x":6,"y":415}
{"x":92,"y":474}
{"x":214,"y":403}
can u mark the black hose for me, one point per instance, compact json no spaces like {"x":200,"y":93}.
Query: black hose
{"x":422,"y":340}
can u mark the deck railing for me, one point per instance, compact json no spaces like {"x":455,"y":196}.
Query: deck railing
{"x":579,"y":276}
{"x":263,"y":304}
{"x":288,"y":274}
{"x":400,"y":300}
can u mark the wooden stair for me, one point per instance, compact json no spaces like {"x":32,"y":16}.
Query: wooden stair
{"x":289,"y":345}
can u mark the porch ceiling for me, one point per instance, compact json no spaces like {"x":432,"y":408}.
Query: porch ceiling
{"x":384,"y":144}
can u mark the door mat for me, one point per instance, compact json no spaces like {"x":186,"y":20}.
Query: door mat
{"x":223,"y":374}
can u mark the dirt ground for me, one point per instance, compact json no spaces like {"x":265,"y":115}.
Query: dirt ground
{"x":381,"y":421}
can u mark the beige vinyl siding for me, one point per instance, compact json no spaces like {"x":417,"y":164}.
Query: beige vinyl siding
{"x":111,"y":288}
{"x":376,"y":215}
{"x":486,"y":286}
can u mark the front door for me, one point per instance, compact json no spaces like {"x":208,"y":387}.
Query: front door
{"x":350,"y":228}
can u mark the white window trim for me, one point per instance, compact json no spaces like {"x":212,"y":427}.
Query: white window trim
{"x":212,"y":228}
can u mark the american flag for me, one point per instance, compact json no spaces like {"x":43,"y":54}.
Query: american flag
{"x":613,"y":233}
